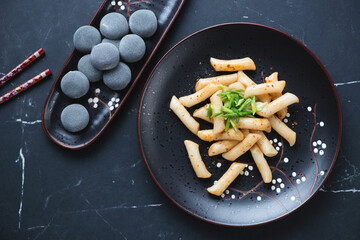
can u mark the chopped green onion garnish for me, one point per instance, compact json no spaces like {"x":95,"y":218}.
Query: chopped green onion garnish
{"x":253,"y":105}
{"x":227,"y":125}
{"x":209,"y":111}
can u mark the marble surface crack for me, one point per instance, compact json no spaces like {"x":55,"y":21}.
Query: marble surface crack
{"x":352,"y":190}
{"x":21,"y":156}
{"x":61,"y":191}
{"x":346,"y":83}
{"x":268,"y":19}
{"x":27,"y":122}
{"x":113,"y":229}
{"x":151,"y":205}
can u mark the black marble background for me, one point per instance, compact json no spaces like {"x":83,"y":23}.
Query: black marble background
{"x":105,"y":191}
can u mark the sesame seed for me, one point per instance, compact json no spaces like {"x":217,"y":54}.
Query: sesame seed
{"x":314,"y":144}
{"x":96,"y":100}
{"x":321,"y":152}
{"x":309,"y":109}
{"x":222,"y":195}
{"x":233,"y":196}
{"x":323,"y":145}
{"x":293,"y":174}
{"x":273,"y":188}
{"x":303,"y":179}
{"x":322,"y":173}
{"x":218,"y":164}
{"x":90,"y":100}
{"x":279,"y":144}
{"x":292,"y":198}
{"x":285,"y":120}
{"x":273,"y":181}
{"x":246,"y":173}
{"x":316,"y":150}
{"x":298,"y":181}
{"x":95,"y":105}
{"x":275,"y":140}
{"x":227,"y":191}
{"x":287,"y":114}
{"x":277,"y":148}
{"x":286,"y":160}
{"x":258,"y":198}
{"x":322,"y":124}
{"x":319,"y":142}
{"x":278,"y":190}
{"x":282,"y":185}
{"x":250,"y":168}
{"x":271,"y":141}
{"x":279,"y":180}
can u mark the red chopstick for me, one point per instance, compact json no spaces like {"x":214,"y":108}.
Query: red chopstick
{"x":21,"y":66}
{"x":24,"y":86}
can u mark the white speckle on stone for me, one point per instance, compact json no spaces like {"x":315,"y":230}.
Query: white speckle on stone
{"x":292,"y":198}
{"x":233,"y":196}
{"x":286,"y":160}
{"x":95,"y":105}
{"x":316,"y":150}
{"x":245,"y":16}
{"x":323,"y":145}
{"x":314,"y":144}
{"x":321,"y":152}
{"x":322,"y":124}
{"x":293,"y":174}
{"x":285,"y":120}
{"x":319,"y":142}
{"x":303,"y":178}
{"x":273,"y":187}
{"x":273,"y":181}
{"x":227,"y":191}
{"x":271,"y":141}
{"x":246,"y":173}
{"x":275,"y":140}
{"x":322,"y":173}
{"x":279,"y":144}
{"x":298,"y":181}
{"x":218,"y":164}
{"x":258,"y":198}
{"x":277,"y":149}
{"x":96,"y":100}
{"x":111,"y":108}
{"x":309,"y":109}
{"x":278,"y":190}
{"x":90,"y":100}
{"x":287,"y":114}
{"x":222,"y":195}
{"x":279,"y":180}
{"x":250,"y":168}
{"x":282,"y":185}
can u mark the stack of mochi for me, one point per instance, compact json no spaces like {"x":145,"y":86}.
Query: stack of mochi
{"x":105,"y":59}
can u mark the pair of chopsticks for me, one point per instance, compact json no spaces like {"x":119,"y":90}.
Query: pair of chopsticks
{"x":28,"y":83}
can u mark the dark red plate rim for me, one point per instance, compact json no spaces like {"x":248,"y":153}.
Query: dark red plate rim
{"x":291,"y":38}
{"x":123,"y":100}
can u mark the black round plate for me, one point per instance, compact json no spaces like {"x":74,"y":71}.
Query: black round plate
{"x":298,"y":171}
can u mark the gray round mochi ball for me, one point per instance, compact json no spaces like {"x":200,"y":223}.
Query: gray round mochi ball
{"x":113,"y":42}
{"x":85,"y":38}
{"x":132,"y":48}
{"x":105,"y":56}
{"x":74,"y":84}
{"x":74,"y":118}
{"x":114,"y":26}
{"x":85,"y":66}
{"x":143,"y":23}
{"x":117,"y":78}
